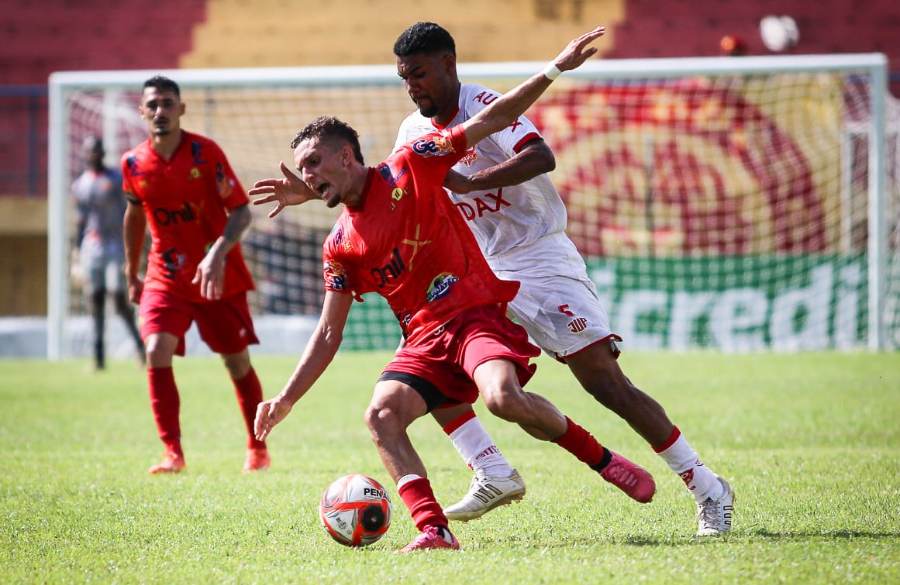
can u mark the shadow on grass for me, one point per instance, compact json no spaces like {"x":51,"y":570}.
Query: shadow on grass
{"x":802,"y":535}
{"x":743,"y":536}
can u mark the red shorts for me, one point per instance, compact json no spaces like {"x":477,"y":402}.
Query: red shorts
{"x":447,"y":358}
{"x":225,"y":325}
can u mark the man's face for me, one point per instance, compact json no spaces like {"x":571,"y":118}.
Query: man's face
{"x":324,"y":167}
{"x":161,"y":110}
{"x":431,"y":81}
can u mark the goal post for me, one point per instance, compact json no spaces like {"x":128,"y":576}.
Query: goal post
{"x":738,"y":203}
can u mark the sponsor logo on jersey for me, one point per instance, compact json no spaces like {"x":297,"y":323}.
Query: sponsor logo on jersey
{"x":578,"y":325}
{"x":335,"y":275}
{"x":132,"y":164}
{"x":390,"y":271}
{"x":173,"y":261}
{"x":436,"y":145}
{"x":197,"y":153}
{"x":195,"y":173}
{"x":223,"y":181}
{"x":469,"y":158}
{"x":564,"y":309}
{"x":385,"y":171}
{"x":485,"y":98}
{"x":440,"y":286}
{"x":397,"y":194}
{"x":165,"y":217}
{"x":477,"y":207}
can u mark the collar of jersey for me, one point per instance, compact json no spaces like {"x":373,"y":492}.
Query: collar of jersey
{"x":441,"y":126}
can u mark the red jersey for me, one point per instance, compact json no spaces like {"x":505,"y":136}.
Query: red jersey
{"x":185,"y":200}
{"x":407,"y":242}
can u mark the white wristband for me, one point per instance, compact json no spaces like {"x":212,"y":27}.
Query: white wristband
{"x":551,"y":71}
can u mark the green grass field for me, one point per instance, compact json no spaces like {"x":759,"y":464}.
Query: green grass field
{"x":810,"y":442}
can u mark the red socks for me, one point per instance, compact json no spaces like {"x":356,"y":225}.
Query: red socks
{"x":164,"y":403}
{"x":249,"y":395}
{"x":422,"y":505}
{"x":583,"y":445}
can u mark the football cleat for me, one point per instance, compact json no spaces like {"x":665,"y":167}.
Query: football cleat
{"x":629,"y":477}
{"x":257,"y":460}
{"x":714,"y":516}
{"x":486,"y":493}
{"x":433,"y":537}
{"x":172,"y":463}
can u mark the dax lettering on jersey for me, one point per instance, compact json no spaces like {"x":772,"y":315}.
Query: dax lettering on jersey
{"x":436,"y":146}
{"x":392,"y":270}
{"x":478,"y":206}
{"x":166,"y":217}
{"x":440,"y":286}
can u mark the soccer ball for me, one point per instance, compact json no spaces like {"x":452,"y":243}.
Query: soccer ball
{"x":355,"y":510}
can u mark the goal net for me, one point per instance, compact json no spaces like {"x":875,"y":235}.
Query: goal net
{"x":736,"y":204}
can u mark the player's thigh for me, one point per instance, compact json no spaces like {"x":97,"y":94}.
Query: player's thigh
{"x":113,"y":275}
{"x":164,"y":313}
{"x":394,"y":406}
{"x":562,"y":314}
{"x":225,"y":325}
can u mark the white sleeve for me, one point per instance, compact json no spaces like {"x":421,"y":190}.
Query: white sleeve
{"x":511,"y":139}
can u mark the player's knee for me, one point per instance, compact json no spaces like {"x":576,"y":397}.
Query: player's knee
{"x":158,"y":354}
{"x":383,"y":422}
{"x":237,"y":364}
{"x":505,"y":401}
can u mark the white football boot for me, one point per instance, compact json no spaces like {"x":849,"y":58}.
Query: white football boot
{"x":714,"y":516}
{"x":486,"y":493}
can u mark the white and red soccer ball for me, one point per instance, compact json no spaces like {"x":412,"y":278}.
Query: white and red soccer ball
{"x":355,"y":510}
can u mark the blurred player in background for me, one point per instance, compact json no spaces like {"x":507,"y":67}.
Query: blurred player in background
{"x":99,"y":254}
{"x":502,"y":190}
{"x":399,"y":235}
{"x":182,"y":185}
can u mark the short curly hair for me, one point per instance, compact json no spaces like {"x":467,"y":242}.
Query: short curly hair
{"x":328,"y":128}
{"x":424,"y":37}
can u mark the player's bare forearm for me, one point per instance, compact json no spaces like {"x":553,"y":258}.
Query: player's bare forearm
{"x":239,"y":220}
{"x":513,"y":104}
{"x":533,"y":160}
{"x":134,"y":227}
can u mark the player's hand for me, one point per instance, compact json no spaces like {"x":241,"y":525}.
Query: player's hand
{"x":282,"y":192}
{"x":210,"y":275}
{"x":268,"y":414}
{"x":576,"y":52}
{"x":135,"y":288}
{"x":458,"y":183}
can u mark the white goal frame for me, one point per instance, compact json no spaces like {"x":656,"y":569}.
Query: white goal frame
{"x":63,"y":84}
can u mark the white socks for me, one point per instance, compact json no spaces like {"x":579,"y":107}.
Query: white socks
{"x":683,"y":460}
{"x":478,"y":450}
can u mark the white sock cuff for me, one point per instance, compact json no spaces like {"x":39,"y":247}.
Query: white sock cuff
{"x":407,"y":478}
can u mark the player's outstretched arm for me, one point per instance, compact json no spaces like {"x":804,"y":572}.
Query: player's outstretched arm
{"x":513,"y":104}
{"x":316,"y":357}
{"x":290,"y":190}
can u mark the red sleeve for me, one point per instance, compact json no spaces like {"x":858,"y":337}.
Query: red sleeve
{"x":437,"y":152}
{"x":127,"y":186}
{"x":227,"y":184}
{"x":333,"y":271}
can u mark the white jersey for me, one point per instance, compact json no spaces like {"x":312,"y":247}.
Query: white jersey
{"x":505,"y":221}
{"x":521,"y":230}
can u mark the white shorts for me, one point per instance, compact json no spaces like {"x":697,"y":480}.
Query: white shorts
{"x":103,"y":273}
{"x":562,"y":314}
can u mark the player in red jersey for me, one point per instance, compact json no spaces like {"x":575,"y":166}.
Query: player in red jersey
{"x":399,"y":235}
{"x":182,"y":185}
